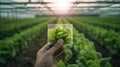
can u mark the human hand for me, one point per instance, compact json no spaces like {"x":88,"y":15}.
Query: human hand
{"x":48,"y":56}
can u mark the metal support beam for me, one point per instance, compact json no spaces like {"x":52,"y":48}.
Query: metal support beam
{"x":98,"y":2}
{"x":9,"y":3}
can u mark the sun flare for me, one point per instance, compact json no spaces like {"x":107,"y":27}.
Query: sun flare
{"x":60,"y":7}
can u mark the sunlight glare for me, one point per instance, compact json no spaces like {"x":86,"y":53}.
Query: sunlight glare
{"x":61,"y":7}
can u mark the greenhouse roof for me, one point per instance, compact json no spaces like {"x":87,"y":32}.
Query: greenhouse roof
{"x":59,"y":7}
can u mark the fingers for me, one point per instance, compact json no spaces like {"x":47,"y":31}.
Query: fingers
{"x":44,"y":48}
{"x":56,"y":47}
{"x":58,"y":51}
{"x":61,"y":55}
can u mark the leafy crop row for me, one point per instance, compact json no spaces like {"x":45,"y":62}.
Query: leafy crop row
{"x":109,"y":26}
{"x":10,"y":28}
{"x":106,"y":20}
{"x":109,"y":39}
{"x":12,"y":45}
{"x":82,"y":53}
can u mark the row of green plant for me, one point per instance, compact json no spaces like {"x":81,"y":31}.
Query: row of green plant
{"x":109,"y":26}
{"x":10,"y":28}
{"x":14,"y":20}
{"x":109,"y":39}
{"x":82,"y":53}
{"x":12,"y":45}
{"x":112,"y":20}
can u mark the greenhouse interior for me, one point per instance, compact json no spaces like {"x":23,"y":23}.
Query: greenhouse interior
{"x":59,"y":33}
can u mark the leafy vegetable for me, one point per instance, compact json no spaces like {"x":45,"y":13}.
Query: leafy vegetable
{"x":60,"y":64}
{"x":59,"y":32}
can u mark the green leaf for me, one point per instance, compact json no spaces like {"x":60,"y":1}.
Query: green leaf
{"x":60,"y":64}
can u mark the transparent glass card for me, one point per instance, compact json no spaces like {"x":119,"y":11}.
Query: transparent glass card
{"x":60,"y":31}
